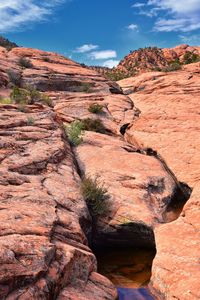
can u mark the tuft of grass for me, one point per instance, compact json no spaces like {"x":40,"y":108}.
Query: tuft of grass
{"x":75,"y":131}
{"x":95,"y":108}
{"x":5,"y":100}
{"x":46,"y":99}
{"x":95,"y":125}
{"x":25,"y":63}
{"x":19,"y":96}
{"x":29,"y":95}
{"x":30,"y":121}
{"x":95,"y":195}
{"x":172,"y":67}
{"x":14,"y":77}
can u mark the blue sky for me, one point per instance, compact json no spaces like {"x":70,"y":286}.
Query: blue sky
{"x":100,"y":32}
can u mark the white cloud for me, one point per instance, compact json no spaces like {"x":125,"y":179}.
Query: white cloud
{"x":138,"y":5}
{"x":133,"y":27}
{"x":15,"y":14}
{"x":104,"y":54}
{"x":86,"y":48}
{"x":184,"y":15}
{"x":111,"y":63}
{"x":184,"y":25}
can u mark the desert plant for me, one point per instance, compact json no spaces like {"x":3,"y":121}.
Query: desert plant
{"x":93,"y":125}
{"x":19,"y":96}
{"x":6,"y":43}
{"x":45,"y":99}
{"x":190,"y":57}
{"x":74,"y":132}
{"x":5,"y":100}
{"x":172,"y":67}
{"x":95,"y":108}
{"x":25,"y":63}
{"x":30,"y":121}
{"x":95,"y":195}
{"x":14,"y":77}
{"x":34,"y":95}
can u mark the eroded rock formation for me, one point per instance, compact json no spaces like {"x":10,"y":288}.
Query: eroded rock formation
{"x":45,"y":223}
{"x":170,"y":124}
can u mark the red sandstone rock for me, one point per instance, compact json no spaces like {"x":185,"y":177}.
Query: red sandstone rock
{"x":169,"y":123}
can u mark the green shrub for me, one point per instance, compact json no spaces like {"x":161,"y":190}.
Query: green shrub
{"x":14,"y":77}
{"x":95,"y":195}
{"x":93,"y":125}
{"x":45,"y":99}
{"x":6,"y":43}
{"x":5,"y":100}
{"x":75,"y":131}
{"x":95,"y":108}
{"x":19,"y":96}
{"x":25,"y":63}
{"x":30,"y":121}
{"x":28,"y":95}
{"x":190,"y":57}
{"x":172,"y":67}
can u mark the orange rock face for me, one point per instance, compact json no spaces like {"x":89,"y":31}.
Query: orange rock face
{"x":45,"y":225}
{"x":170,"y":124}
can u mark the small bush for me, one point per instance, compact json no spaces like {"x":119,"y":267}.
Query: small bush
{"x":95,"y":108}
{"x":172,"y":67}
{"x":25,"y":63}
{"x":19,"y":96}
{"x":45,"y":99}
{"x":95,"y":195}
{"x":30,"y":121}
{"x":93,"y":125}
{"x":14,"y":77}
{"x":190,"y":57}
{"x":5,"y":100}
{"x":29,"y":96}
{"x":75,"y":131}
{"x":6,"y":43}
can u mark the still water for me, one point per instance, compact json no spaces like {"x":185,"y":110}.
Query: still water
{"x":129,"y":270}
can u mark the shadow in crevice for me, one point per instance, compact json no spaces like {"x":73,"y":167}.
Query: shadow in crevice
{"x":181,"y":196}
{"x":129,"y":269}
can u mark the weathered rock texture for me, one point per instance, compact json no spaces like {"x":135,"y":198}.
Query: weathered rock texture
{"x":45,"y":223}
{"x":170,"y":123}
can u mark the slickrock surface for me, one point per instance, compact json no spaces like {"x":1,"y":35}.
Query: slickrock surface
{"x":170,"y":124}
{"x":45,"y":224}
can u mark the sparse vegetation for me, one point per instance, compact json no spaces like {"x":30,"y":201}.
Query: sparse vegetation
{"x":19,"y":96}
{"x":7,"y":44}
{"x":95,"y":195}
{"x":30,"y":121}
{"x":25,"y":63}
{"x":172,"y":67}
{"x":75,"y":131}
{"x":95,"y":125}
{"x":14,"y":77}
{"x":28,"y":95}
{"x":95,"y":108}
{"x":190,"y":57}
{"x":5,"y":100}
